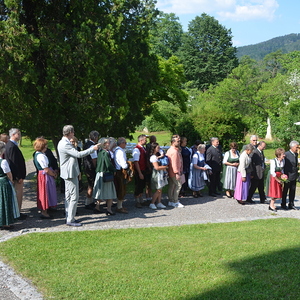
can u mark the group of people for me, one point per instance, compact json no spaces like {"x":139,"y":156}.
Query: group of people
{"x":108,"y":170}
{"x":244,"y":173}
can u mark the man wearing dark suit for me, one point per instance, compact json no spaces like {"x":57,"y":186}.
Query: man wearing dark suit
{"x":16,"y":163}
{"x":257,"y":173}
{"x":214,"y":160}
{"x":291,"y":170}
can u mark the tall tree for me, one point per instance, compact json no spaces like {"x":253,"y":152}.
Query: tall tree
{"x":166,"y":35}
{"x":85,"y":63}
{"x":207,"y":52}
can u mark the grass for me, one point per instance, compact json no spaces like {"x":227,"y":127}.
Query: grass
{"x":163,"y":137}
{"x":244,"y":260}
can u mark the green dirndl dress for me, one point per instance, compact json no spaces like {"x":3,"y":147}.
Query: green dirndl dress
{"x":6,"y":197}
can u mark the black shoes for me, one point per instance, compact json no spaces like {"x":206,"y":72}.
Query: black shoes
{"x":272,"y":209}
{"x":250,"y":201}
{"x":22,"y":217}
{"x":293,"y":207}
{"x":241,"y":202}
{"x":90,"y":206}
{"x":46,"y":217}
{"x":284,"y":207}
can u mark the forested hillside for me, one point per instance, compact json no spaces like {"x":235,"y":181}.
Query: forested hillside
{"x":286,"y":43}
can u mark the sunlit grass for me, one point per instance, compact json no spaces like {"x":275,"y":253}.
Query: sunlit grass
{"x":246,"y":260}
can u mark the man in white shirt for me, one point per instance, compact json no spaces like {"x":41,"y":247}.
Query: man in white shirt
{"x":120,"y":164}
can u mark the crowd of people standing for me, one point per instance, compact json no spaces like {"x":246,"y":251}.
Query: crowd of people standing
{"x":108,"y":170}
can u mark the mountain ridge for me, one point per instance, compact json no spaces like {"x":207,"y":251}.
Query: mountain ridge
{"x":286,"y":43}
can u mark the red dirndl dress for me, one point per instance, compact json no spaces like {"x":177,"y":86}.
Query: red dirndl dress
{"x":275,"y":188}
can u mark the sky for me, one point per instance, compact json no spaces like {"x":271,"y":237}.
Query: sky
{"x":250,"y":21}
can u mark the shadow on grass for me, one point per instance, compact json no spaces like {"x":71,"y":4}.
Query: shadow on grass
{"x":273,"y":276}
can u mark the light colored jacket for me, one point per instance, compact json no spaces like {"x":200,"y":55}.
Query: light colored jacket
{"x":175,"y":165}
{"x":245,"y":161}
{"x":68,"y":158}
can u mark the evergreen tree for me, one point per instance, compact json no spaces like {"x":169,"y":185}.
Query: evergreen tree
{"x":207,"y":52}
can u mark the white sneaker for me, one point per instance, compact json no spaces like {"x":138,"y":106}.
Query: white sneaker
{"x":152,"y":206}
{"x":179,"y":205}
{"x":160,"y":205}
{"x":171,"y":204}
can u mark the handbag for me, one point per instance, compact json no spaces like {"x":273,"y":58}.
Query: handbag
{"x":108,"y":177}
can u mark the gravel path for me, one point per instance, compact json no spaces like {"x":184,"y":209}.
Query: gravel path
{"x":196,"y":211}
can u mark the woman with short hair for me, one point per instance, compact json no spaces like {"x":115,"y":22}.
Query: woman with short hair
{"x":273,"y":182}
{"x":104,"y":188}
{"x":8,"y":201}
{"x":46,"y":187}
{"x":243,"y":176}
{"x":198,"y":168}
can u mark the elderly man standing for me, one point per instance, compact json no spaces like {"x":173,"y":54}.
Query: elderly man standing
{"x":257,"y":173}
{"x":253,"y":141}
{"x":175,"y":171}
{"x":89,"y":163}
{"x":17,"y":165}
{"x":214,"y":159}
{"x":69,"y":171}
{"x":121,"y":164}
{"x":291,"y":170}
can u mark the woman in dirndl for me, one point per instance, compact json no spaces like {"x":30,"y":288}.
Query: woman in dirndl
{"x":104,"y":187}
{"x":46,"y":186}
{"x":8,"y":202}
{"x":230,"y":165}
{"x":274,"y":184}
{"x":158,"y":176}
{"x":198,"y":167}
{"x":243,"y":175}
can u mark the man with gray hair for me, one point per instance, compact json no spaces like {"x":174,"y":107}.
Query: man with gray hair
{"x":69,"y":171}
{"x":17,"y":165}
{"x":89,"y":164}
{"x":253,"y":141}
{"x":121,"y":164}
{"x":291,"y":170}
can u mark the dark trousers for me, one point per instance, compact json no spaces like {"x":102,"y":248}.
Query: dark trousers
{"x":139,"y":184}
{"x":257,"y":184}
{"x":214,"y":182}
{"x":291,"y":188}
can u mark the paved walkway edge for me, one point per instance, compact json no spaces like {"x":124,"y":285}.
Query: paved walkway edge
{"x":21,"y":288}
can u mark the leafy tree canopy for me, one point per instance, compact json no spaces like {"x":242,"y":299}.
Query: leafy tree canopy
{"x":166,"y":35}
{"x":207,"y":52}
{"x":85,"y":63}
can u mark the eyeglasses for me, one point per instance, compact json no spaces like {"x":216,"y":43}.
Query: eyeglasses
{"x":254,"y":140}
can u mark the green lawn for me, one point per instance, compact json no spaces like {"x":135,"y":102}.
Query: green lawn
{"x":163,"y":137}
{"x":244,"y":260}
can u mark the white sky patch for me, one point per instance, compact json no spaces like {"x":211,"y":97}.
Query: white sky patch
{"x":251,"y":10}
{"x":234,"y":10}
